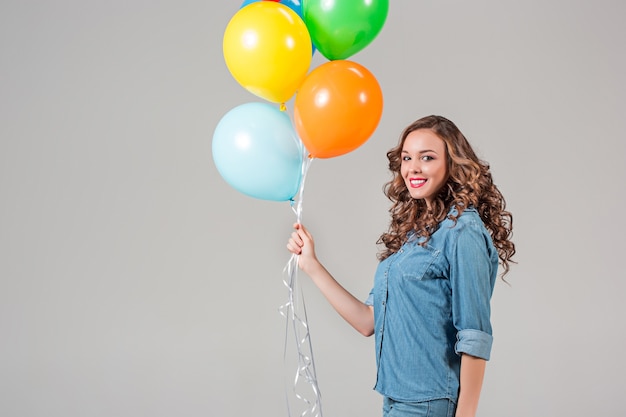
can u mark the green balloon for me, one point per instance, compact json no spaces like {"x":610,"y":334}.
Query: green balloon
{"x":341,"y":28}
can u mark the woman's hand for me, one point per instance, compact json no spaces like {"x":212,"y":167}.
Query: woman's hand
{"x":301,"y":243}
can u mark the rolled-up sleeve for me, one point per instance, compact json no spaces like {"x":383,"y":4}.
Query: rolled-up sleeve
{"x":474,"y":342}
{"x":473,"y":269}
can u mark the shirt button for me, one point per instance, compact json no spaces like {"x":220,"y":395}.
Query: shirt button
{"x":383,"y":303}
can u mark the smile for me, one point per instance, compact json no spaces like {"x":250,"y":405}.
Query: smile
{"x":416,"y":183}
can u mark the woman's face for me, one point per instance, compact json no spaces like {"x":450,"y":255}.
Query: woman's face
{"x":424,"y":166}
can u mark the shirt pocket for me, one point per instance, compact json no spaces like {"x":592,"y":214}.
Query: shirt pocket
{"x":419,"y":262}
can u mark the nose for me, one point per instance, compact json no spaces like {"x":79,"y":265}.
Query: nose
{"x":415,"y":167}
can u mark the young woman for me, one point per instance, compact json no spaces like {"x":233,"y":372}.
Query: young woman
{"x":430,"y":305}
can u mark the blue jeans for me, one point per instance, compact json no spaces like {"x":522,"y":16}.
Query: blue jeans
{"x":434,"y":408}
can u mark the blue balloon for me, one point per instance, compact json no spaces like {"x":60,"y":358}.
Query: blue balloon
{"x":257,"y":151}
{"x":294,"y":5}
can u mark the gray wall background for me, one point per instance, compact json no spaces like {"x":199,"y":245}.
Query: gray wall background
{"x":135,"y":282}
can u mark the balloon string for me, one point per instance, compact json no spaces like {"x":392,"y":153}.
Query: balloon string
{"x":294,"y":311}
{"x":297,"y":205}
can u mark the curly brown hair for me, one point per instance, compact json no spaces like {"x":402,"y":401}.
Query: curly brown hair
{"x":469,"y":184}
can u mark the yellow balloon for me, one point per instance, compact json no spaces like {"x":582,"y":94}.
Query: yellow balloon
{"x":267,"y":49}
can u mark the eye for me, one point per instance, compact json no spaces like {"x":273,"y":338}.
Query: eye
{"x":406,"y":158}
{"x":427,"y":158}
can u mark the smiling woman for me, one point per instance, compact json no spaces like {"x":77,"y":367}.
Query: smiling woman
{"x":433,"y":285}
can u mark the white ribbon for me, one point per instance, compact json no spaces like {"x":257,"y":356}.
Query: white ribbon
{"x":297,"y":330}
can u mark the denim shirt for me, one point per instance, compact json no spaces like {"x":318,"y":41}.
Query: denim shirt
{"x":431,"y":304}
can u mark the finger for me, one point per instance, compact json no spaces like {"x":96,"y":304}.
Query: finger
{"x":302,"y":231}
{"x":297,"y":239}
{"x":293,"y":247}
{"x":307,"y":233}
{"x":300,"y":228}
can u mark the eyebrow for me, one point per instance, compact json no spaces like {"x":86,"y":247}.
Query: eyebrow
{"x":424,"y":151}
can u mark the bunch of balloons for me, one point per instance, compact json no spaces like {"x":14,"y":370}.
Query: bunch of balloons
{"x":268,"y":47}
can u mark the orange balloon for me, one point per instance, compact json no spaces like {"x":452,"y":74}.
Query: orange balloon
{"x":337,"y":108}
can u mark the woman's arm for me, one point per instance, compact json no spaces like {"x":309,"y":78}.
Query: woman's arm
{"x":472,"y":374}
{"x":355,"y":312}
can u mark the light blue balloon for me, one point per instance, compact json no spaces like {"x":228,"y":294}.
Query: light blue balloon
{"x":257,"y":151}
